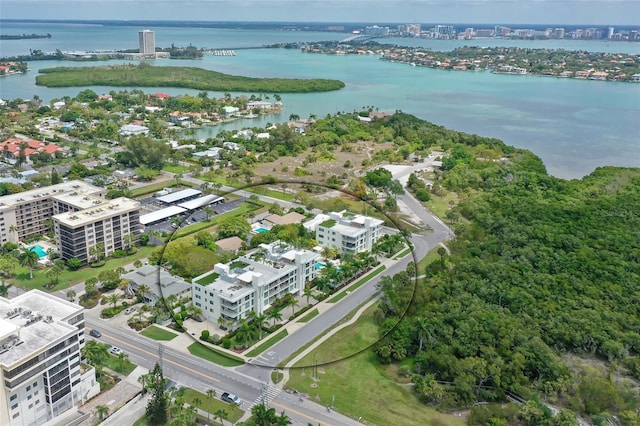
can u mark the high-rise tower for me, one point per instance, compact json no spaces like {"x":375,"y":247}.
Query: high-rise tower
{"x":147,"y":42}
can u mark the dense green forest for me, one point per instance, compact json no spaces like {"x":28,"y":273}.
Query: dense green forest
{"x":541,"y":268}
{"x":144,"y":75}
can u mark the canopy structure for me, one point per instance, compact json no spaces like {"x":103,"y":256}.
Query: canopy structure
{"x":202,"y":201}
{"x":180,"y":195}
{"x":159,"y":215}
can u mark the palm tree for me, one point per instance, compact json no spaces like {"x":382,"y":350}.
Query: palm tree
{"x":196,"y":402}
{"x":308,"y":292}
{"x":211,"y":393}
{"x":28,"y":258}
{"x":102,"y":411}
{"x":274,"y":315}
{"x":220,"y":414}
{"x":122,"y":357}
{"x":55,"y":270}
{"x":71,"y":295}
{"x":208,"y":211}
{"x":143,"y":290}
{"x":293,"y":303}
{"x":113,"y":298}
{"x":13,"y":229}
{"x":91,"y":286}
{"x":246,"y":332}
{"x":259,"y":321}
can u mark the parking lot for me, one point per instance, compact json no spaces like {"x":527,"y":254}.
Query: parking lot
{"x":150,"y":204}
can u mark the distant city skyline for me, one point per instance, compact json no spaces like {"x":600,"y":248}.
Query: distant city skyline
{"x":558,"y":12}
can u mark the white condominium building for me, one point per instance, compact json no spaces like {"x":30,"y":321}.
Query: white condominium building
{"x":113,"y":223}
{"x":24,"y":214}
{"x":147,"y":39}
{"x":346,"y":232}
{"x":40,"y":341}
{"x":253,"y":281}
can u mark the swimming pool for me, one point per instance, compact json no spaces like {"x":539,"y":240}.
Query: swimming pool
{"x":320,"y":265}
{"x":261,"y":230}
{"x":40,"y":251}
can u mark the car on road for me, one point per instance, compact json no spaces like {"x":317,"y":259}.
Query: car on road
{"x":94,"y":333}
{"x":231,"y":398}
{"x":115,"y":351}
{"x":129,"y":310}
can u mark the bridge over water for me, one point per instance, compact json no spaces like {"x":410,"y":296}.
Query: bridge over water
{"x":358,"y":38}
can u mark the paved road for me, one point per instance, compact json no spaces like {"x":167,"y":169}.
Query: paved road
{"x":196,"y":373}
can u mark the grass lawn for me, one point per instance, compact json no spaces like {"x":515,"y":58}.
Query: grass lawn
{"x":157,"y":333}
{"x":308,"y":317}
{"x":440,"y":205}
{"x":153,"y":187}
{"x":263,"y":190}
{"x":233,"y":413}
{"x":357,"y":284}
{"x":125,"y":367}
{"x":175,"y":168}
{"x":402,"y":254}
{"x":268,"y":343}
{"x":67,"y":277}
{"x":213,"y":220}
{"x":213,"y":355}
{"x":360,"y":384}
{"x":432,"y":256}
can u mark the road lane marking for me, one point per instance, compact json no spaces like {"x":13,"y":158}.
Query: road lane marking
{"x":285,"y":408}
{"x":123,"y":343}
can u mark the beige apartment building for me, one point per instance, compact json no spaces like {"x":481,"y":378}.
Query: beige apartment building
{"x":113,"y":223}
{"x":24,"y":214}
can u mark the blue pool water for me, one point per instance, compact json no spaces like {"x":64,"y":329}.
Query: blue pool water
{"x":319,"y":265}
{"x":261,"y":230}
{"x":40,"y":251}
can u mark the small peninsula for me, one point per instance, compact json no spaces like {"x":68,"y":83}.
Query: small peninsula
{"x":144,"y":75}
{"x":23,"y":36}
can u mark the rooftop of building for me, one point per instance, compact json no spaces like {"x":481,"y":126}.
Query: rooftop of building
{"x":234,"y":280}
{"x":160,"y":282}
{"x":344,"y":222}
{"x":32,"y":321}
{"x":97,"y":211}
{"x":70,"y":187}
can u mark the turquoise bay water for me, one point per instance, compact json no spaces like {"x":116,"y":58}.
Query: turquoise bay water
{"x":573,"y":125}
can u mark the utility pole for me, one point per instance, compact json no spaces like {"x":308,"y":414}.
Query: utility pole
{"x":160,"y":352}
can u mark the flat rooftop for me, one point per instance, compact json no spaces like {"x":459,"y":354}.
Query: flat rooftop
{"x":201,"y":201}
{"x":106,"y":209}
{"x":165,"y":213}
{"x":36,"y":319}
{"x":73,"y":186}
{"x":180,"y":195}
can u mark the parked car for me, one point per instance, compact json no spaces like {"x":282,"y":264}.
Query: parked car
{"x":115,"y":351}
{"x":231,"y":398}
{"x":129,"y":310}
{"x":95,"y":333}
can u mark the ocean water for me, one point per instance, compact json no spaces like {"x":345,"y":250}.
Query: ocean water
{"x":573,"y":125}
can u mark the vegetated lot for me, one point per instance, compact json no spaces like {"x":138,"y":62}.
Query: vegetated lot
{"x":144,"y":75}
{"x":213,"y":355}
{"x":157,"y":333}
{"x":212,"y":405}
{"x":124,"y":366}
{"x":325,"y":163}
{"x":380,"y":400}
{"x":67,"y":277}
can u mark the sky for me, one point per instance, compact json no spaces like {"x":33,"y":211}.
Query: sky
{"x":568,"y":12}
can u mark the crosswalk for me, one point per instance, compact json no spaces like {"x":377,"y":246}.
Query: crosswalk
{"x":269,"y":393}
